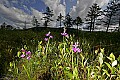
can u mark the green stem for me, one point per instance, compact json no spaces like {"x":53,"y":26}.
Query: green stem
{"x":64,"y":44}
{"x":72,"y":61}
{"x":88,"y":73}
{"x":77,"y":59}
{"x":47,"y":48}
{"x":26,"y":72}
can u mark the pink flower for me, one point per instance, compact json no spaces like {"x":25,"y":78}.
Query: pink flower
{"x":77,"y":50}
{"x":51,"y":36}
{"x":22,"y":56}
{"x":76,"y":45}
{"x":64,"y":34}
{"x":29,"y":57}
{"x":28,"y":53}
{"x":46,"y":39}
{"x":23,"y":50}
{"x":48,"y":34}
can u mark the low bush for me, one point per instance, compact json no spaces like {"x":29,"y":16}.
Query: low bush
{"x":68,"y":59}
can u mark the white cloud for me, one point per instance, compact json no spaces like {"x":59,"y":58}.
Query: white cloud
{"x":13,"y":14}
{"x":82,"y":7}
{"x":17,"y":16}
{"x":56,"y":7}
{"x":38,"y":15}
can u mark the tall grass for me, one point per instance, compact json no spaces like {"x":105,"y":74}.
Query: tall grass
{"x":68,"y":59}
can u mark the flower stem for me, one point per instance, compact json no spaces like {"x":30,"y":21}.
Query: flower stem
{"x":26,"y":71}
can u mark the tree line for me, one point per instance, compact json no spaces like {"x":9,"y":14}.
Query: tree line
{"x":95,"y":16}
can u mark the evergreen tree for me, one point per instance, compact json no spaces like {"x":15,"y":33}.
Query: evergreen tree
{"x":110,"y":12}
{"x":60,"y":18}
{"x":47,"y":17}
{"x":3,"y":26}
{"x":93,"y":13}
{"x":77,"y":21}
{"x":35,"y":22}
{"x":25,"y":25}
{"x":116,"y":18}
{"x":68,"y":21}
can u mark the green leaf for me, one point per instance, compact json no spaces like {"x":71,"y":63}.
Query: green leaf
{"x":69,"y":74}
{"x":40,"y":42}
{"x":108,"y":66}
{"x":11,"y":64}
{"x":100,"y":61}
{"x":102,"y":50}
{"x":67,"y":68}
{"x":112,"y":56}
{"x":82,"y":56}
{"x":118,"y":58}
{"x":109,"y":58}
{"x":101,"y":55}
{"x":101,"y":58}
{"x":85,"y":62}
{"x":98,"y":67}
{"x":75,"y":72}
{"x":106,"y":72}
{"x":96,"y":51}
{"x":39,"y":47}
{"x":18,"y":54}
{"x":114,"y":63}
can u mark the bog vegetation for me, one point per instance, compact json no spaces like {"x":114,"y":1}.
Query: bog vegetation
{"x":43,"y":53}
{"x":58,"y":54}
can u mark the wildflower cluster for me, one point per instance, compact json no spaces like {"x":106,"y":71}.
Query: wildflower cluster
{"x":64,"y":33}
{"x":26,"y":54}
{"x":48,"y":35}
{"x":75,"y":48}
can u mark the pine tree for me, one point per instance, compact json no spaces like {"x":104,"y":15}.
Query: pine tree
{"x":116,"y":18}
{"x":68,"y":21}
{"x":25,"y":25}
{"x":47,"y":17}
{"x":3,"y":26}
{"x":109,"y":13}
{"x":93,"y":13}
{"x":60,"y":18}
{"x":35,"y":22}
{"x":77,"y":21}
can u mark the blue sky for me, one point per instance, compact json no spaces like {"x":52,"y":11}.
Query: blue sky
{"x":41,"y":6}
{"x":16,"y":12}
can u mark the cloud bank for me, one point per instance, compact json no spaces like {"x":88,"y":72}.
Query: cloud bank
{"x":82,"y":7}
{"x":17,"y":17}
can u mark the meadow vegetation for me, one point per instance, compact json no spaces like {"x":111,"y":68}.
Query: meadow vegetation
{"x":53,"y":54}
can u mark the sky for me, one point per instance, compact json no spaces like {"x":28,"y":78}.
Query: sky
{"x":16,"y":12}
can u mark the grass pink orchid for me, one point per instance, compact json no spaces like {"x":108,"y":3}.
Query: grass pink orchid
{"x":23,"y":50}
{"x":22,"y":56}
{"x":48,"y":34}
{"x":29,"y":57}
{"x":51,"y":36}
{"x":46,"y":39}
{"x":28,"y":53}
{"x":75,"y":48}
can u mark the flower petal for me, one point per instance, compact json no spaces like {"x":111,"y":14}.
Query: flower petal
{"x":22,"y":56}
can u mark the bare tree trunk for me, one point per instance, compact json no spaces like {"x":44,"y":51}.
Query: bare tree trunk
{"x":77,"y":29}
{"x":60,"y":23}
{"x":119,"y":24}
{"x":108,"y":24}
{"x":91,"y":25}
